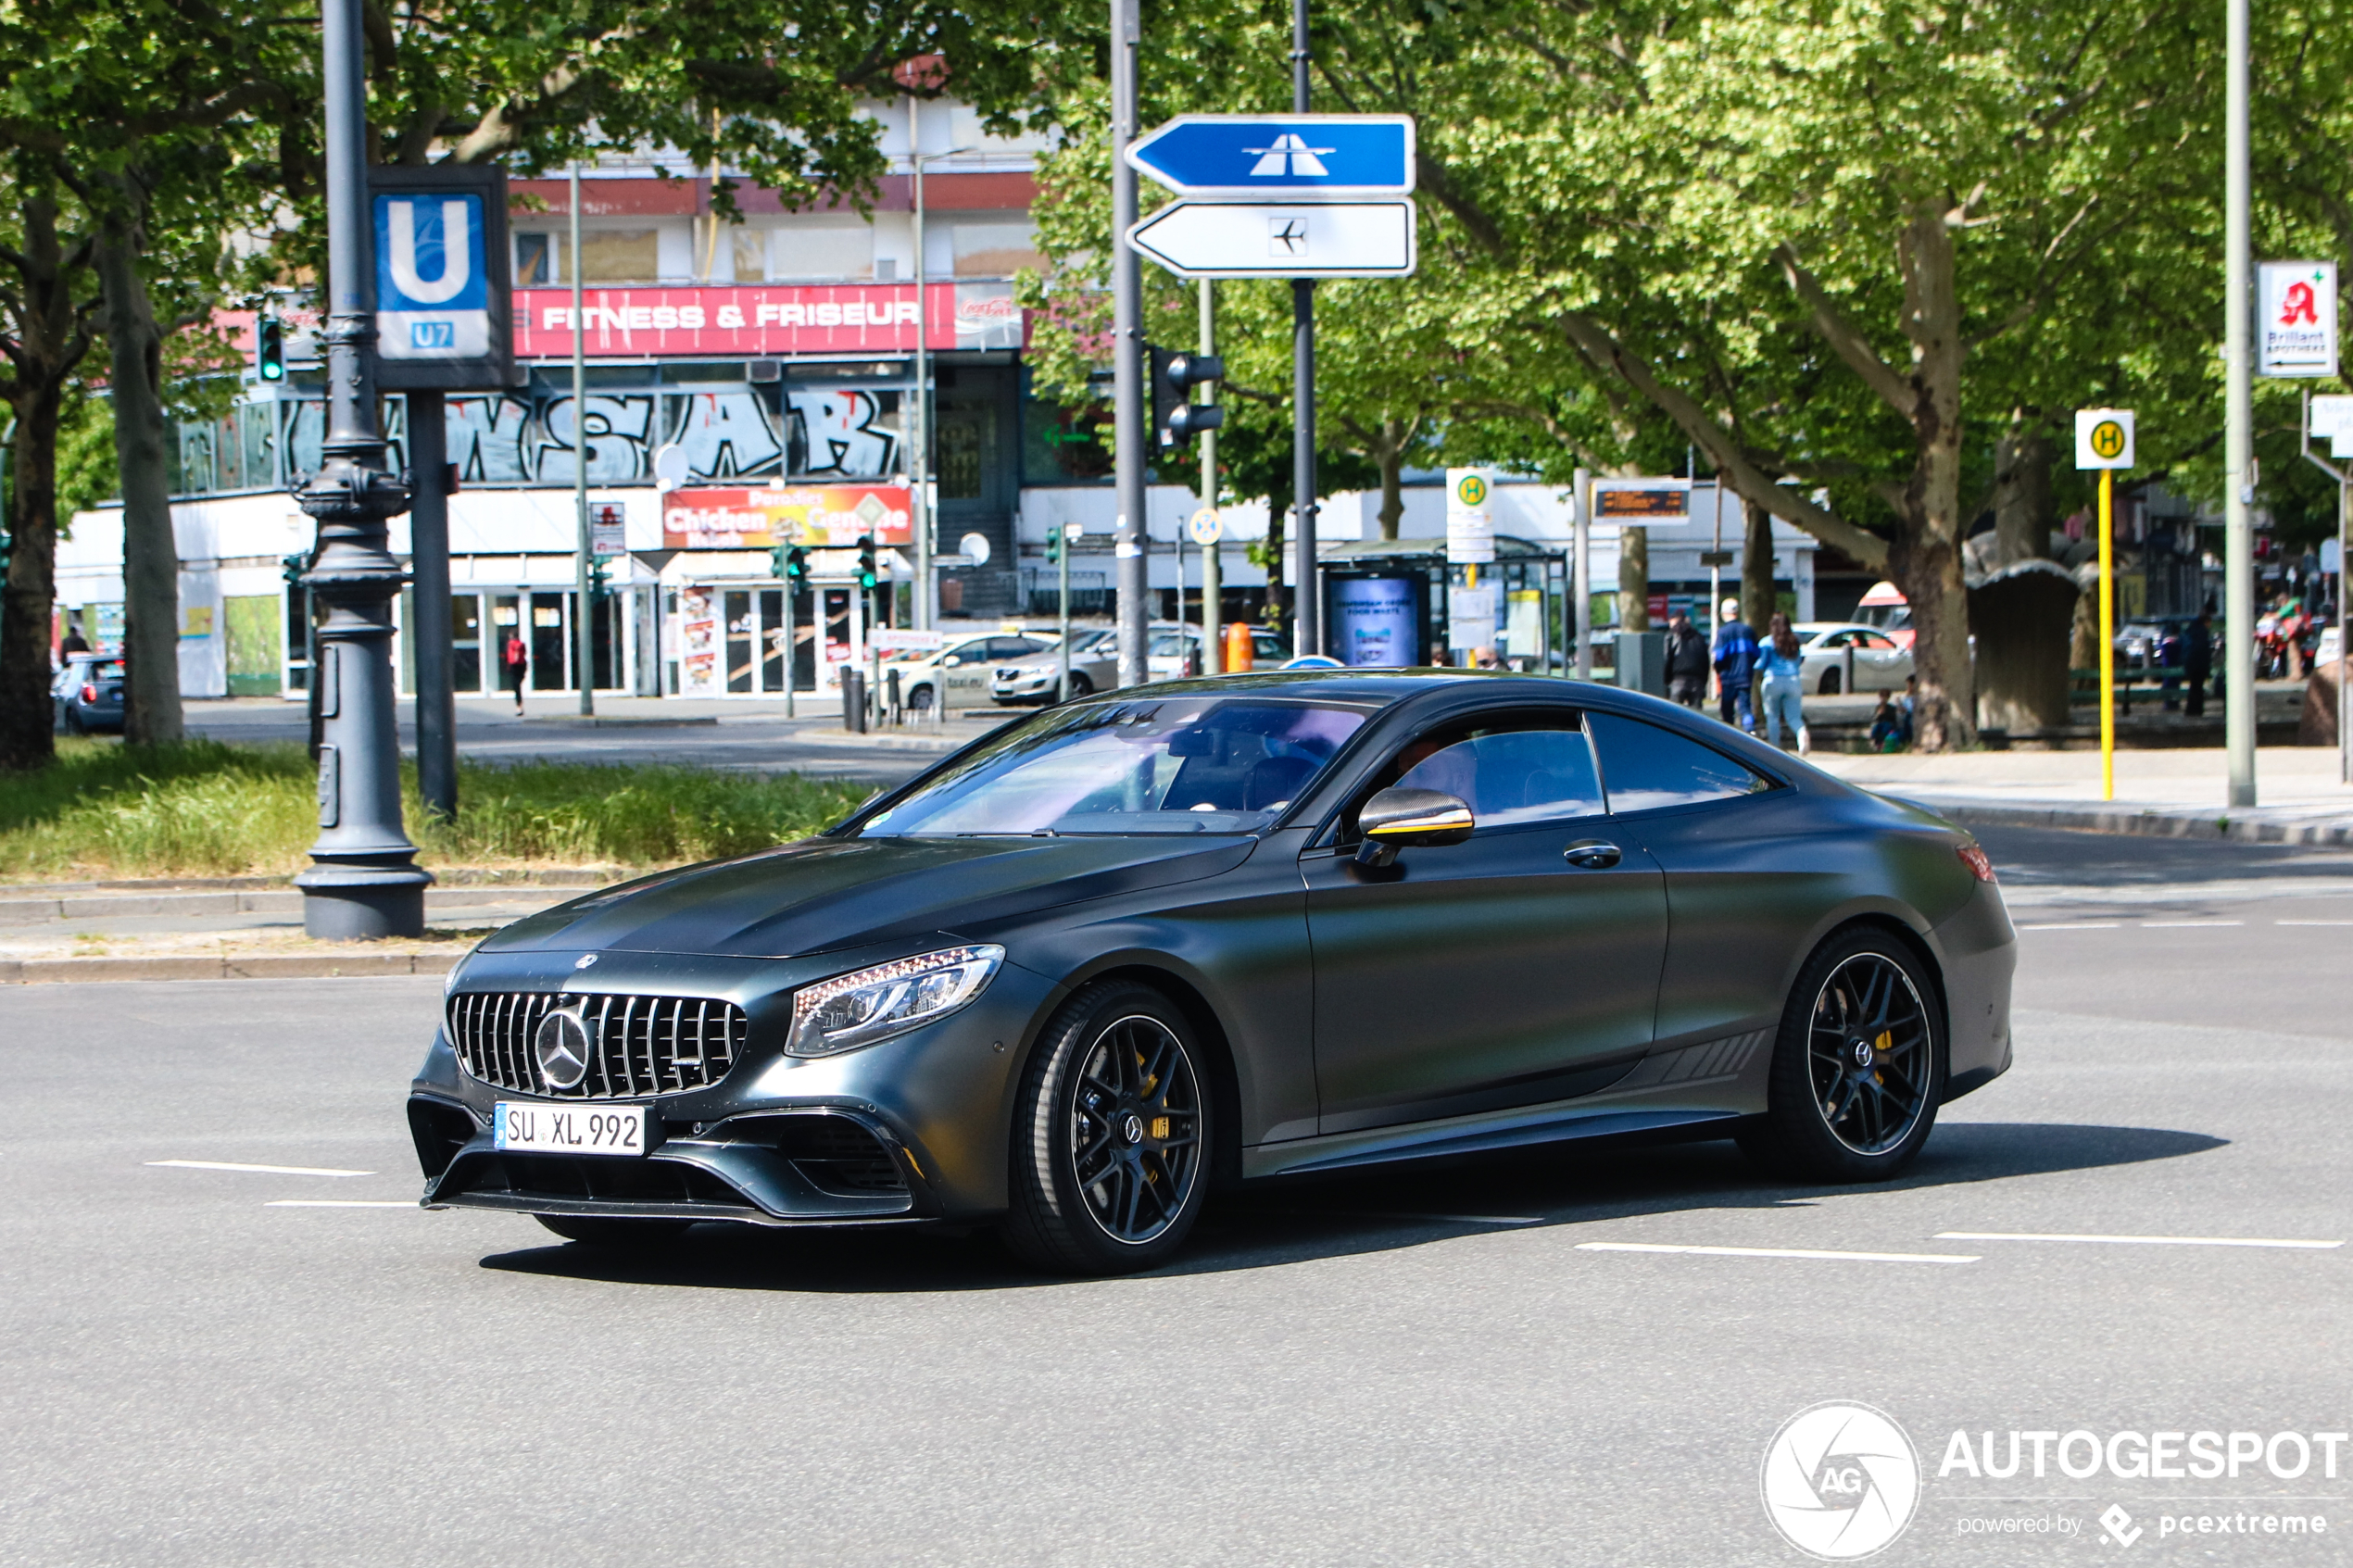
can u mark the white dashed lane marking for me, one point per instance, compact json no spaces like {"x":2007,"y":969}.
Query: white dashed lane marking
{"x":2139,"y":1240}
{"x":1778,"y":1252}
{"x":264,"y":1169}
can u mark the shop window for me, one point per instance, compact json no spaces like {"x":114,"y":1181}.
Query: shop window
{"x":997,"y":250}
{"x":1064,"y":446}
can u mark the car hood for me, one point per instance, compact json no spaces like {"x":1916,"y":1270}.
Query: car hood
{"x":825,"y":892}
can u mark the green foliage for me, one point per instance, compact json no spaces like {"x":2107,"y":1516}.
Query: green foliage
{"x":203,"y":809}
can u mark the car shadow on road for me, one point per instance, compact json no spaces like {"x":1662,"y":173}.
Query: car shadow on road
{"x":1305,"y":1218}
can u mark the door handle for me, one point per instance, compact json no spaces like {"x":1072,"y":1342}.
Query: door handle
{"x":1591,"y":853}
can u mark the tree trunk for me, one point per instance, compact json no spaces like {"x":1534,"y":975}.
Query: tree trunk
{"x":1391,"y":456}
{"x":1925,"y":558}
{"x":2022,"y":460}
{"x":1757,"y":598}
{"x":150,"y":553}
{"x":50,"y":342}
{"x":1633,"y":579}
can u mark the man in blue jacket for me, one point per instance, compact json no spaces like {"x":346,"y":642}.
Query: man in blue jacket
{"x":1736,"y":665}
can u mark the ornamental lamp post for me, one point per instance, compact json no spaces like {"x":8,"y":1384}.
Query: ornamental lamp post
{"x":364,"y":881}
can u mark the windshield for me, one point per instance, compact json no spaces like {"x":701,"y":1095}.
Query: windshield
{"x":1197,"y":764}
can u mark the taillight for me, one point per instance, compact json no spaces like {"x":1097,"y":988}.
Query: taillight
{"x":1980,"y":864}
{"x":89,"y":694}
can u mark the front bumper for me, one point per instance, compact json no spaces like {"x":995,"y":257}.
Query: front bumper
{"x":912,"y":1128}
{"x":819,"y":1166}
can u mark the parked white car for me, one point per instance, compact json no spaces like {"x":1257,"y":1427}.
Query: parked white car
{"x":961,"y":670}
{"x":1881,"y":662}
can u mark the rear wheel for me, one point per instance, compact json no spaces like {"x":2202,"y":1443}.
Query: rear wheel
{"x":1109,"y":1135}
{"x":1858,"y":1068}
{"x":601,"y":1230}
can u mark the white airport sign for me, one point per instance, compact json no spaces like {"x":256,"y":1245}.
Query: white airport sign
{"x":1209,"y":239}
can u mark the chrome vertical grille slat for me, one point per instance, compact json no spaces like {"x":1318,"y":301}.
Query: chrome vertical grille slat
{"x":682,"y":1042}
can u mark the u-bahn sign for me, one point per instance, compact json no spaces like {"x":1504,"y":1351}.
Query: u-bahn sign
{"x":444,"y":299}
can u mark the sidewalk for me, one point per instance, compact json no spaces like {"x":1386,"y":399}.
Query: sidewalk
{"x":2169,"y":794}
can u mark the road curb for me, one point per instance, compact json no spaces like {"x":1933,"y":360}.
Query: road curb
{"x":268,"y":900}
{"x":2143,"y":823}
{"x":242,"y":966}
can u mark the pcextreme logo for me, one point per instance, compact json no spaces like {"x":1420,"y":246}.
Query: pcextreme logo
{"x":1840,"y":1481}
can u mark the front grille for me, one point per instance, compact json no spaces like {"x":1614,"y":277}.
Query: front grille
{"x":646,"y":1045}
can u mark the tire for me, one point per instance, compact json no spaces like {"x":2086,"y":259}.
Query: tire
{"x":1080,"y":687}
{"x":1858,"y":1066}
{"x":919,"y":700}
{"x":621,"y":1235}
{"x":1831,"y":680}
{"x":1111,"y":1136}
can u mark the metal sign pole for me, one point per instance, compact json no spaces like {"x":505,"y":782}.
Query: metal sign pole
{"x":1128,"y":354}
{"x":2107,"y":634}
{"x":1062,"y":556}
{"x":2238,"y":417}
{"x":1308,"y":622}
{"x":432,"y":636}
{"x":1582,"y":575}
{"x":584,"y":652}
{"x":363,"y":879}
{"x":919,"y":457}
{"x":1213,"y":583}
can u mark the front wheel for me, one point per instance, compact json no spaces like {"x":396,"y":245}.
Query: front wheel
{"x":1831,"y":680}
{"x":1080,"y":687}
{"x":1858,"y":1068}
{"x":919,"y":700}
{"x":1109,"y":1135}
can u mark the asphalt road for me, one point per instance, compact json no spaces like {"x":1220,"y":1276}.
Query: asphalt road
{"x":1437,"y":1365}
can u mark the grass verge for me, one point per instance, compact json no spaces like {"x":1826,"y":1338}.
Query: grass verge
{"x":205,"y":808}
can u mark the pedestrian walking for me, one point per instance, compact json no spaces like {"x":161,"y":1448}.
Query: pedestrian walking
{"x":517,"y":660}
{"x":1784,"y":686}
{"x":2197,"y":662}
{"x":75,"y":643}
{"x":1687,"y":663}
{"x":1735,"y":666}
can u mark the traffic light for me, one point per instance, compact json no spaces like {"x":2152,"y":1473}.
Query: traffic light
{"x":867,"y":574}
{"x":292,"y":568}
{"x":777,"y":564}
{"x":600,"y":577}
{"x":1054,"y":545}
{"x":1175,"y":417}
{"x":270,"y":348}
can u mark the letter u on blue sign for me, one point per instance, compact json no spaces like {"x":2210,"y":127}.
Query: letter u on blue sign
{"x":429,"y":253}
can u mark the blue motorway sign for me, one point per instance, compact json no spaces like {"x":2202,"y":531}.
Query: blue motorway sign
{"x":1291,"y":153}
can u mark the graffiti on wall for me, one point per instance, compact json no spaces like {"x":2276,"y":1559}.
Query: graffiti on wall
{"x":528,"y":438}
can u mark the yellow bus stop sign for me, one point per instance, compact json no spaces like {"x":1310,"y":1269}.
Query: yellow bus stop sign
{"x":2104,"y":438}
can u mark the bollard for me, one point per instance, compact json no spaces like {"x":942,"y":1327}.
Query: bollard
{"x":890,"y":686}
{"x":853,"y":700}
{"x":1237,"y":649}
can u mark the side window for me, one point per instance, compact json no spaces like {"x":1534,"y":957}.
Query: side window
{"x":1508,"y":773}
{"x":1006,"y":647}
{"x":1645,"y":767}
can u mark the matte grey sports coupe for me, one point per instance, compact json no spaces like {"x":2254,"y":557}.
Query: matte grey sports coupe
{"x":1160,"y":941}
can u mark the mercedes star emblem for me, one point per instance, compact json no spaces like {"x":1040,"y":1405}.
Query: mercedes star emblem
{"x":561,"y":1047}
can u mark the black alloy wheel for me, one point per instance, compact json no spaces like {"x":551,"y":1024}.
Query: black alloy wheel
{"x":1111,"y":1136}
{"x":1859,"y":1069}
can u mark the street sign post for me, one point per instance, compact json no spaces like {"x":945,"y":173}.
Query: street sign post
{"x":1293,"y":239}
{"x":1252,"y":154}
{"x":2103,"y":441}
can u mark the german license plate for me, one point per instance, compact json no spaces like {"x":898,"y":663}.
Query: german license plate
{"x":568,"y":1129}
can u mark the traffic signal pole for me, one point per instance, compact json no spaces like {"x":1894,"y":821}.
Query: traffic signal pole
{"x":584,"y":657}
{"x":1308,"y":621}
{"x":1128,"y":354}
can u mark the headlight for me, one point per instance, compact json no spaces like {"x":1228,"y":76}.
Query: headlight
{"x":867,"y":1004}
